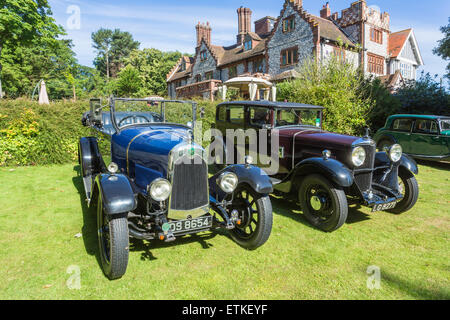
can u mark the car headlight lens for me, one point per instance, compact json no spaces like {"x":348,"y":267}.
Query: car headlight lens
{"x":160,"y":190}
{"x":395,"y":153}
{"x":228,"y":182}
{"x":358,"y":156}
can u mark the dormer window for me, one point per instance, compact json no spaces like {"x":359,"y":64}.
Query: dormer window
{"x":183,"y":66}
{"x":289,"y":24}
{"x":203,"y":55}
{"x":248,"y":45}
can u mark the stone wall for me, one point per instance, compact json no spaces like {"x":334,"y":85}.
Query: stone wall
{"x":202,"y":67}
{"x":302,"y":37}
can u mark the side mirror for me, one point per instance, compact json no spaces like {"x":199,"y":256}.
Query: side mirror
{"x":190,"y":125}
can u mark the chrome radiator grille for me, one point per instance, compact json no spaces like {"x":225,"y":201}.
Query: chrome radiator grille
{"x":189,"y":184}
{"x":364,"y":174}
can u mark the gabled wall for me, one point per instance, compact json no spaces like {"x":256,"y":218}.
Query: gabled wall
{"x":302,"y":37}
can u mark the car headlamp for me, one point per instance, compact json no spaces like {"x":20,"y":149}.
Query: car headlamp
{"x":358,"y":156}
{"x":113,"y":168}
{"x":228,"y":182}
{"x":160,"y":190}
{"x":395,"y":153}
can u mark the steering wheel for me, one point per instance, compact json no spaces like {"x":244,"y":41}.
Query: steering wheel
{"x":134,"y":119}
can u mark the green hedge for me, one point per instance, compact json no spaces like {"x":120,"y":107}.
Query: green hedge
{"x":31,"y":134}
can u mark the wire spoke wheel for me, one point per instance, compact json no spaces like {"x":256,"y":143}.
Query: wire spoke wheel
{"x":255,"y":212}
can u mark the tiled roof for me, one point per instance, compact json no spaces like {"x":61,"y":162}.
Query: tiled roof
{"x":237,"y":53}
{"x":397,"y":41}
{"x":329,"y":30}
{"x":391,"y":80}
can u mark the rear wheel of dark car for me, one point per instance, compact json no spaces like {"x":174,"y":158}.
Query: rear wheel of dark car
{"x":113,"y":239}
{"x":410,"y":189}
{"x":255,"y":213}
{"x":324,"y":205}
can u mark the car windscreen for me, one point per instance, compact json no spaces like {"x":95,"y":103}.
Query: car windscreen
{"x":293,"y":116}
{"x":136,"y":112}
{"x":445,"y":124}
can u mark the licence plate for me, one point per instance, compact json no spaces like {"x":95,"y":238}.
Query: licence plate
{"x":384,"y":206}
{"x":183,"y":226}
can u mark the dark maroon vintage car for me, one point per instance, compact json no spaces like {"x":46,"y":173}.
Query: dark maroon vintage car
{"x":325,"y":171}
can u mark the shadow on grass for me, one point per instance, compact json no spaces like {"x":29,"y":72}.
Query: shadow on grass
{"x":415,"y":289}
{"x":89,"y":230}
{"x":288,"y":207}
{"x":146,"y":247}
{"x":434,"y":164}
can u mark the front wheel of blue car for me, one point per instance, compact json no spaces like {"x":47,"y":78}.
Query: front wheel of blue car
{"x":255,"y":213}
{"x":113,"y":239}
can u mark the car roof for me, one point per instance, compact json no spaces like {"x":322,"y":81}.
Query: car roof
{"x":271,"y":104}
{"x":419,"y":116}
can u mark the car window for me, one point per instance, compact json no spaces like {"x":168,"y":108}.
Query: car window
{"x":426,"y":127}
{"x":445,"y":124}
{"x":287,"y":117}
{"x":222,"y":114}
{"x":259,"y":116}
{"x":236,"y":114}
{"x":402,"y":125}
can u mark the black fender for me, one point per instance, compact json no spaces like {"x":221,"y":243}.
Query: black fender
{"x":405,"y":163}
{"x":117,"y":194}
{"x":251,"y":175}
{"x":90,"y":158}
{"x":331,"y":169}
{"x":409,"y":164}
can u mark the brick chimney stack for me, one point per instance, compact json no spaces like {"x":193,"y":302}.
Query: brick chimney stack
{"x":245,"y":23}
{"x":203,"y":32}
{"x":326,"y":11}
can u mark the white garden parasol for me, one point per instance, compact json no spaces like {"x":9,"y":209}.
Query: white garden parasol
{"x":43,"y":96}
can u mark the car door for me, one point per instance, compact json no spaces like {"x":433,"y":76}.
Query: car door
{"x":260,"y":120}
{"x":425,"y":138}
{"x":401,"y":130}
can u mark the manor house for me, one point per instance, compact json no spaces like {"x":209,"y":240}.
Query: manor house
{"x":274,"y":48}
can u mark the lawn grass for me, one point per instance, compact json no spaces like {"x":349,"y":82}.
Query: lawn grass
{"x":42,"y":209}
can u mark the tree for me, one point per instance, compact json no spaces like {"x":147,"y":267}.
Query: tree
{"x":153,"y":65}
{"x":112,"y":47}
{"x":22,"y":21}
{"x":335,"y":85}
{"x":424,"y":96}
{"x":102,"y":43}
{"x":128,"y":82}
{"x":443,"y":50}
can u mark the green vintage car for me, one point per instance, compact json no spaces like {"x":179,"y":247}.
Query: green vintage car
{"x":421,"y":136}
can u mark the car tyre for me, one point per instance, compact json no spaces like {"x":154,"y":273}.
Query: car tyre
{"x":411,"y":193}
{"x":113,"y":240}
{"x":324,"y":205}
{"x":255,"y":213}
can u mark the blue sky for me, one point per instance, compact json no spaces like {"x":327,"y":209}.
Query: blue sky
{"x":170,"y":25}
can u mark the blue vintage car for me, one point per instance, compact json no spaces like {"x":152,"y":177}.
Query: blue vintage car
{"x":156,"y":185}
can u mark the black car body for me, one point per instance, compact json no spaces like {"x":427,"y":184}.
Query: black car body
{"x":324,"y":170}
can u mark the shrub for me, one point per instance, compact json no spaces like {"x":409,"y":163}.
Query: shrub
{"x":31,"y":134}
{"x":335,"y":85}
